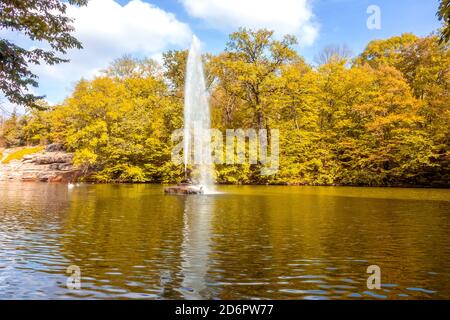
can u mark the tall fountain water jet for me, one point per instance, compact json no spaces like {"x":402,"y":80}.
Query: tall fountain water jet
{"x":197,"y":121}
{"x":198,"y":164}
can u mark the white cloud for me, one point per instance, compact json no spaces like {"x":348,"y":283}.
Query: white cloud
{"x":282,"y":16}
{"x":107,"y":31}
{"x":104,"y":25}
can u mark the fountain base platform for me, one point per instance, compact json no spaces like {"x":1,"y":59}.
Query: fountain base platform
{"x":184,"y":188}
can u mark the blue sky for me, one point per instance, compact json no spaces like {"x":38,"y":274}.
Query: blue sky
{"x":112,"y":28}
{"x":341,"y":21}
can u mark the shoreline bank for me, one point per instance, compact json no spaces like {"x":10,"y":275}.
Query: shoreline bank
{"x":51,"y":164}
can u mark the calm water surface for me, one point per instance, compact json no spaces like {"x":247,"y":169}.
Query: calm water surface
{"x":132,"y":241}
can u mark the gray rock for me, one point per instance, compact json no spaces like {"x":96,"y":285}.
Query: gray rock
{"x":53,"y":157}
{"x":54,"y":147}
{"x":55,"y":166}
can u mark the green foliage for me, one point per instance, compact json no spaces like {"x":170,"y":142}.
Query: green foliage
{"x":249,"y":67}
{"x":175,"y":69}
{"x":40,"y":20}
{"x":18,"y":155}
{"x":444,"y":16}
{"x":382,"y":120}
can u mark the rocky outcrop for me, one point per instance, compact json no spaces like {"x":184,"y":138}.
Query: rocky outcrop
{"x":44,"y":166}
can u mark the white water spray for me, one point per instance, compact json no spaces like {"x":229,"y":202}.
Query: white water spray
{"x":197,"y":120}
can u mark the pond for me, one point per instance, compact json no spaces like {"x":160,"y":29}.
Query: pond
{"x":245,"y":242}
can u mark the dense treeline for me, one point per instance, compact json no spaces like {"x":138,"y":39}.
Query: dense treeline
{"x":382,"y":118}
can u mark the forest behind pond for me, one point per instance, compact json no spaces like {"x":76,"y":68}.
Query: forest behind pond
{"x":379,"y":119}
